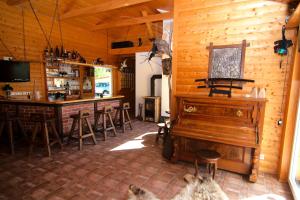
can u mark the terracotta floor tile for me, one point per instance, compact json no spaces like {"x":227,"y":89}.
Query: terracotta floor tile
{"x":101,"y":172}
{"x":95,"y":195}
{"x":39,"y":193}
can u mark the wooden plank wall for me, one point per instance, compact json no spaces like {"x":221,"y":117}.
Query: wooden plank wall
{"x":90,"y":44}
{"x":199,"y":22}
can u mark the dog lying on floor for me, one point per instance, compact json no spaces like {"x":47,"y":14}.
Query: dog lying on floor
{"x":197,"y":188}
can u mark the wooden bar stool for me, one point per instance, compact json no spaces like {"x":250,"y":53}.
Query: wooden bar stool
{"x":105,"y":114}
{"x":161,"y":127}
{"x":42,"y":122}
{"x":8,"y":121}
{"x":81,"y":119}
{"x":165,"y":127}
{"x":210,"y":158}
{"x":122,"y":112}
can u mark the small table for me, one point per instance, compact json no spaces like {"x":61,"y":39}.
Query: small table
{"x":209,"y":157}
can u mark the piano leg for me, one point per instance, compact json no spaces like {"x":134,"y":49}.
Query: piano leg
{"x":255,"y":163}
{"x":176,"y":149}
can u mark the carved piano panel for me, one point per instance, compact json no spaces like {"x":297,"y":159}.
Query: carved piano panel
{"x":231,"y":126}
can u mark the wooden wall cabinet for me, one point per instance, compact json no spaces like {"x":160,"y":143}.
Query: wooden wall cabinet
{"x":231,"y":126}
{"x":80,"y":78}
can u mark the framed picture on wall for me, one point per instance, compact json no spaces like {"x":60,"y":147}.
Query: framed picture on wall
{"x":226,"y":61}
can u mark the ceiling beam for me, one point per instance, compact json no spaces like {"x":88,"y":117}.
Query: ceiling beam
{"x":134,"y":21}
{"x":105,"y":6}
{"x":15,"y":2}
{"x":148,"y":24}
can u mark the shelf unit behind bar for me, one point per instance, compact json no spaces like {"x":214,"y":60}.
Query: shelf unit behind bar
{"x":85,"y":75}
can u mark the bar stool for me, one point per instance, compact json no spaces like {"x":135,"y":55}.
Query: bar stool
{"x":41,"y":121}
{"x":122,"y":112}
{"x":161,"y":126}
{"x":10,"y":121}
{"x":81,"y":118}
{"x":210,"y":158}
{"x":105,"y":114}
{"x":165,"y":126}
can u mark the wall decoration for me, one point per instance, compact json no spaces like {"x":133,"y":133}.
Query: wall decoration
{"x":226,"y":61}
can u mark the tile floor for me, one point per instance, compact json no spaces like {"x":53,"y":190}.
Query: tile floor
{"x":105,"y":170}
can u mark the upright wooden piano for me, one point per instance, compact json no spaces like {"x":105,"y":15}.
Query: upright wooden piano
{"x":231,"y":126}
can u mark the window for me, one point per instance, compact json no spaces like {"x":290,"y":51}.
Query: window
{"x":103,"y":81}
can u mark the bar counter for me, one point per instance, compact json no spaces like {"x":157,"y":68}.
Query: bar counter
{"x":59,"y":109}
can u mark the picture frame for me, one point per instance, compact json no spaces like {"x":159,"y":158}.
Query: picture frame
{"x":227,"y":61}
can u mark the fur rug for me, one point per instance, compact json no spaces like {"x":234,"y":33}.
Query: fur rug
{"x":198,"y":188}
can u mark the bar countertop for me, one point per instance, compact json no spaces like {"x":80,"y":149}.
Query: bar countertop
{"x":57,"y":102}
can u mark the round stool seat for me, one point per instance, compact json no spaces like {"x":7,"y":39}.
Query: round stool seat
{"x":99,"y":112}
{"x":118,"y":107}
{"x":209,"y":157}
{"x":208,"y":154}
{"x":162,"y":125}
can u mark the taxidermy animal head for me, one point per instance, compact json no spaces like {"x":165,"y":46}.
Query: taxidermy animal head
{"x":197,"y":188}
{"x":160,"y":47}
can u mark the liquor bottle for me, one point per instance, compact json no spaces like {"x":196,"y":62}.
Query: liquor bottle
{"x":65,"y":54}
{"x":61,"y":52}
{"x":73,"y":54}
{"x":56,"y":52}
{"x":46,"y":52}
{"x":51,"y":52}
{"x":69,"y":55}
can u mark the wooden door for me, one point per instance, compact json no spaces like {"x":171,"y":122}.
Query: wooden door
{"x":128,"y":83}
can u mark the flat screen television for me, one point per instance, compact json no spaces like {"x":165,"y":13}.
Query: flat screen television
{"x":14,"y":71}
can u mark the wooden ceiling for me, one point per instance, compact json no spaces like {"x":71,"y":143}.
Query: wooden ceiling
{"x":101,"y":14}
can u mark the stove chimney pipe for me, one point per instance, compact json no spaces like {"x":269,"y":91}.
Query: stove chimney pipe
{"x":153,"y":78}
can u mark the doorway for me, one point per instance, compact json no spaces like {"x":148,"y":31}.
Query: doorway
{"x":127,"y":88}
{"x":294,"y":175}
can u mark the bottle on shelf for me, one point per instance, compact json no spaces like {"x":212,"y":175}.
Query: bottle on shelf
{"x":56,"y":52}
{"x":67,"y":88}
{"x":65,"y":56}
{"x":46,"y":52}
{"x":61,"y":52}
{"x":51,"y":52}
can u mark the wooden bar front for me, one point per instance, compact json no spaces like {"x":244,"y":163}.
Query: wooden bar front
{"x":231,"y":126}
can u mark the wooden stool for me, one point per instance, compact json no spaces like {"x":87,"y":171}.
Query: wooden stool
{"x":210,"y":158}
{"x":10,"y":122}
{"x":80,"y":119}
{"x":41,"y":121}
{"x":161,"y":126}
{"x":165,"y":127}
{"x":121,"y":111}
{"x":105,"y":114}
